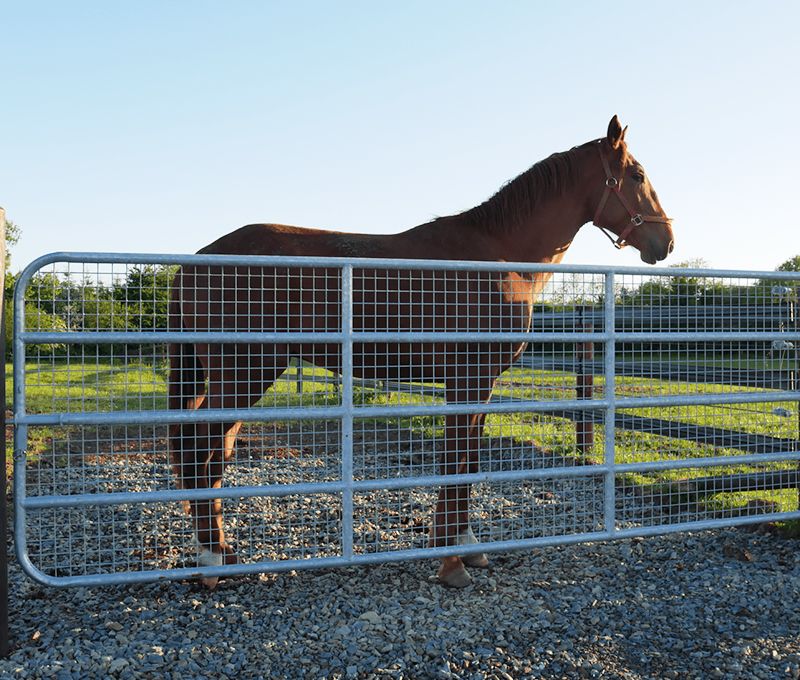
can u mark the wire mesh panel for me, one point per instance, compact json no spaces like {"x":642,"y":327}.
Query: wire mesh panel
{"x":728,"y":346}
{"x":203,"y":415}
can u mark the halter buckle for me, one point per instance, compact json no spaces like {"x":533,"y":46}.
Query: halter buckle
{"x":612,"y":183}
{"x":637,"y":220}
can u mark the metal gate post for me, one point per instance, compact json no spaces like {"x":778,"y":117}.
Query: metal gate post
{"x":609,"y":392}
{"x":346,"y":396}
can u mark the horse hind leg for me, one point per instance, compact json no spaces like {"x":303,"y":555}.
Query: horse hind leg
{"x":451,"y":517}
{"x":466,"y":536}
{"x":211,"y":533}
{"x":212,"y":547}
{"x":214,"y":446}
{"x":451,"y":524}
{"x":451,"y":527}
{"x":187,"y":391}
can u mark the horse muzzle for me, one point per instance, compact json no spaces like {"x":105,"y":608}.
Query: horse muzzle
{"x":656,"y":252}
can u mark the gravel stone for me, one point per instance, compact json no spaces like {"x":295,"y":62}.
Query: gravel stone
{"x":717,"y":604}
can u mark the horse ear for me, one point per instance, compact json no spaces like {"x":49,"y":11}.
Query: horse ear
{"x":615,"y":135}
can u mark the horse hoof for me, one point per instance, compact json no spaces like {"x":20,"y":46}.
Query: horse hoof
{"x":229,"y":555}
{"x":476,"y":560}
{"x":210,"y":583}
{"x":209,"y":558}
{"x":453,"y":574}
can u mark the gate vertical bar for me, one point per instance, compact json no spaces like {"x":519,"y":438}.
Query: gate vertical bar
{"x":794,"y":381}
{"x":20,"y":429}
{"x":609,"y":367}
{"x":346,"y":395}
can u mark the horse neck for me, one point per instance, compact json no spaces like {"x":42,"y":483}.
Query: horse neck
{"x":545,"y":233}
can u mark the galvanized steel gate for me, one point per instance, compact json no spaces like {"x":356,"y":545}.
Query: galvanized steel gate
{"x":649,"y":401}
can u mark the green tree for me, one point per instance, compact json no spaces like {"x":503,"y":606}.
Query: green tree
{"x":793,"y":286}
{"x":687,"y":290}
{"x":35,"y":319}
{"x":97,"y":310}
{"x":13,"y":233}
{"x":55,"y":294}
{"x":791,"y":265}
{"x":145,"y":293}
{"x":769,"y":286}
{"x":63,"y":303}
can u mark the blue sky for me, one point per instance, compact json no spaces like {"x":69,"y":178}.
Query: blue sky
{"x":159,"y":126}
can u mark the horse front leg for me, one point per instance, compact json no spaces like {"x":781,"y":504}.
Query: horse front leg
{"x":230,"y":387}
{"x":451,"y":517}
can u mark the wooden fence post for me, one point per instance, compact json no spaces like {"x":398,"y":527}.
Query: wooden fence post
{"x":298,"y":375}
{"x":4,"y":641}
{"x":584,"y":382}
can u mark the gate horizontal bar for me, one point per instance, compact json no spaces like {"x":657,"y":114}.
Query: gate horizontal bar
{"x":708,"y":462}
{"x":386,"y":337}
{"x":703,"y":524}
{"x":394,"y":483}
{"x":330,"y":412}
{"x":281,"y":490}
{"x":241,"y":569}
{"x":276,"y":566}
{"x":308,"y":337}
{"x":387,"y":263}
{"x":296,"y":413}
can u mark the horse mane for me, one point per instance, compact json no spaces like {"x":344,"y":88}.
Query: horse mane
{"x":513,"y":203}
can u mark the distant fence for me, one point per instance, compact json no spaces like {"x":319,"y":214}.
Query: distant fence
{"x":327,"y":474}
{"x":776,"y":318}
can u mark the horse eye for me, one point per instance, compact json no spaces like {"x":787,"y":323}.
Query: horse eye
{"x":639,"y":177}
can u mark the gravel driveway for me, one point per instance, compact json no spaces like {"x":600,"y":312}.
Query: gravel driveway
{"x":720,"y":604}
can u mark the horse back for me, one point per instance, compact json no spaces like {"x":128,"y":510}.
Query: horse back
{"x":308,"y":299}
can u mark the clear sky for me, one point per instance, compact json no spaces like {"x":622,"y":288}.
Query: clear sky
{"x":159,"y":126}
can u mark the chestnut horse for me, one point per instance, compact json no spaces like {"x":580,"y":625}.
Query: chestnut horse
{"x":533,"y":218}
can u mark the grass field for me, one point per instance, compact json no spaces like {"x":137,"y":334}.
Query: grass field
{"x":113,"y":385}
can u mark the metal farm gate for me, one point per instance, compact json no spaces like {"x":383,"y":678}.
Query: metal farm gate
{"x":647,"y":401}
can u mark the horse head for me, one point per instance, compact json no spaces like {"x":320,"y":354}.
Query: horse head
{"x":629,"y":206}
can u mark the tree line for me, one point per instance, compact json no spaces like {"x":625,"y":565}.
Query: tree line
{"x":139,"y":301}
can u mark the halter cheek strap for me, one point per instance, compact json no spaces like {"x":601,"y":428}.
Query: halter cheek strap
{"x":614,"y":186}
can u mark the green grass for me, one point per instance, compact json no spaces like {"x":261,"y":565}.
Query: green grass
{"x":755,"y":361}
{"x":114,"y":385}
{"x":640,"y":447}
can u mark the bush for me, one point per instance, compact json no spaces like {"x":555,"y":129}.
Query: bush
{"x":35,"y":320}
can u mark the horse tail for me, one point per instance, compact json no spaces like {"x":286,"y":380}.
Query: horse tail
{"x":186,"y":387}
{"x":186,"y":374}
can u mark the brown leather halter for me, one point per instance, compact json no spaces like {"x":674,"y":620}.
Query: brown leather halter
{"x":613,"y":185}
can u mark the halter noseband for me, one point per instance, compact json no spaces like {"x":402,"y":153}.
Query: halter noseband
{"x":613,"y":185}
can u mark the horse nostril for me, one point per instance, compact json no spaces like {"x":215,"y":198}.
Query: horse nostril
{"x":670,"y":247}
